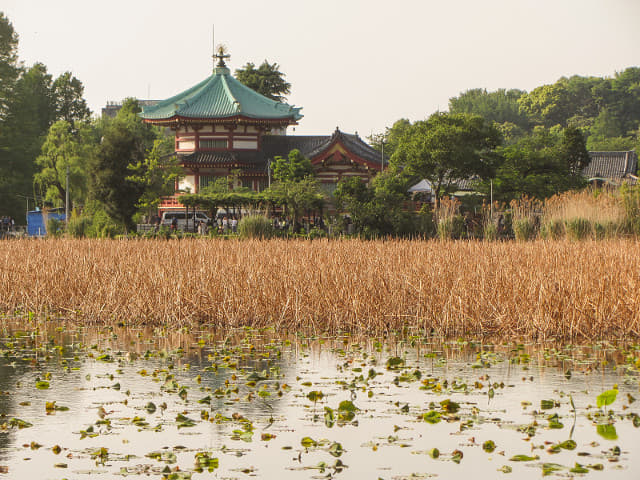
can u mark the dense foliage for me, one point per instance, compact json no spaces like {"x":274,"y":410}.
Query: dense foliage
{"x":267,"y":80}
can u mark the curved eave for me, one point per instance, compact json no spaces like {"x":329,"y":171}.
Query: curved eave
{"x":325,"y":153}
{"x":237,"y":119}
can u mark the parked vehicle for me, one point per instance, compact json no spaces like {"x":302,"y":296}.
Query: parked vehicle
{"x":181,"y":219}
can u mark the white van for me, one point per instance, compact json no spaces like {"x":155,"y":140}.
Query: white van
{"x":181,"y":217}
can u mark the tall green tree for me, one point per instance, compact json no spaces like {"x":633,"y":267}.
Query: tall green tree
{"x":540,"y":165}
{"x":29,"y":115}
{"x":126,"y":141}
{"x":70,"y":105}
{"x":156,"y":174}
{"x":267,"y":80}
{"x":500,"y":106}
{"x":448,"y":147}
{"x":9,"y":68}
{"x":297,"y":197}
{"x":61,"y":152}
{"x":376,"y":210}
{"x":293,"y":168}
{"x":388,"y":141}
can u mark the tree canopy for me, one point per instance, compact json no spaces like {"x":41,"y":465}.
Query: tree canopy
{"x":448,"y":147}
{"x":540,"y":165}
{"x":9,"y":68}
{"x":293,"y":168}
{"x":267,"y":80}
{"x":126,"y":141}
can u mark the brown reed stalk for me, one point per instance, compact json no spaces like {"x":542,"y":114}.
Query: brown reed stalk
{"x":536,"y":289}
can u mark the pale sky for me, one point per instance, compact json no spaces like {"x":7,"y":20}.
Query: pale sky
{"x":356,"y":64}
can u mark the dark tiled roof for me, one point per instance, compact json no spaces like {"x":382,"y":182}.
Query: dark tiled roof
{"x":612,"y":165}
{"x":313,"y":145}
{"x":281,"y":145}
{"x":468,"y":184}
{"x":210,"y":158}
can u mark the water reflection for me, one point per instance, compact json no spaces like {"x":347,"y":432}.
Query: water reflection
{"x":149,"y":401}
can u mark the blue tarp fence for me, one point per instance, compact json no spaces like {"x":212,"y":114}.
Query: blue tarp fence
{"x":36,"y":225}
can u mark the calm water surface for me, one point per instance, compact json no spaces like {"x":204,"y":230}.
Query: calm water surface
{"x":152,"y":403}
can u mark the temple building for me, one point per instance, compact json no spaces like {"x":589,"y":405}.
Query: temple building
{"x":222,"y":126}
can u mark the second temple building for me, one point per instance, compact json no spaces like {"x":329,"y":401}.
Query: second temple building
{"x":222,"y":126}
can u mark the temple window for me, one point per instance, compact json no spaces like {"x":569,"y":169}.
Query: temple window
{"x":206,"y":144}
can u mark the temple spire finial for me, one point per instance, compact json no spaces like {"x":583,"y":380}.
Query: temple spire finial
{"x":220,"y":54}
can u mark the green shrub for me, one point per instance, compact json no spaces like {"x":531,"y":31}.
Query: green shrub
{"x":524,"y":229}
{"x":490,"y":231}
{"x":78,"y":225}
{"x":55,"y":227}
{"x":552,"y":229}
{"x":255,"y":226}
{"x":606,"y":230}
{"x":631,"y":202}
{"x":578,"y":228}
{"x":103,"y":226}
{"x":450,"y":227}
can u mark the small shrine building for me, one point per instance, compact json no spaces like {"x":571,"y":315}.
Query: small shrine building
{"x":222,"y":126}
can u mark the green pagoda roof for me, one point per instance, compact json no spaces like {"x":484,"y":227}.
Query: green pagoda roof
{"x":220,"y":97}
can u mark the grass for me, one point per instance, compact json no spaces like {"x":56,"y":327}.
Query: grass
{"x":539,"y":289}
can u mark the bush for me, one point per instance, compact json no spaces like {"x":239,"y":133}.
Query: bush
{"x":490,"y":232}
{"x":103,"y":226}
{"x":524,"y":229}
{"x":578,"y":228}
{"x":450,"y":227}
{"x":552,"y":229}
{"x":255,"y":226}
{"x":423,"y":221}
{"x":78,"y":225}
{"x":55,"y":227}
{"x":631,"y":203}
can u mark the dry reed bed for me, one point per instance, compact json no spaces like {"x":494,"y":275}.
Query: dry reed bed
{"x":536,"y":289}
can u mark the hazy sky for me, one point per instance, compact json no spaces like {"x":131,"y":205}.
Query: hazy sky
{"x":359,"y":65}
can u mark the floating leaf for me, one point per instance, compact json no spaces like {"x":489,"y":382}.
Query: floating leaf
{"x":19,"y":423}
{"x":394,"y":363}
{"x":336,"y":449}
{"x":607,"y":398}
{"x":329,"y":417}
{"x":608,"y":432}
{"x":549,"y":468}
{"x":184,"y":421}
{"x":524,"y":458}
{"x":431,"y":416}
{"x":347,"y":406}
{"x":315,"y":395}
{"x":579,"y":469}
{"x":489,"y":446}
{"x":547,"y":404}
{"x":42,"y":384}
{"x":456,"y":456}
{"x":205,"y":461}
{"x":308,"y":442}
{"x":434,"y":453}
{"x":568,"y":445}
{"x":450,"y":406}
{"x":505,"y":469}
{"x":150,"y":407}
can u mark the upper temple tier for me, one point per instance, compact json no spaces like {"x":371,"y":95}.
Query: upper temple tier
{"x":221,"y":99}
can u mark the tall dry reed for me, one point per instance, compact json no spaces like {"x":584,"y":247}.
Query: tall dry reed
{"x":585,"y":213}
{"x":535,"y":289}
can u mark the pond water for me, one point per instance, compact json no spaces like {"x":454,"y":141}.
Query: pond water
{"x":112,"y":403}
